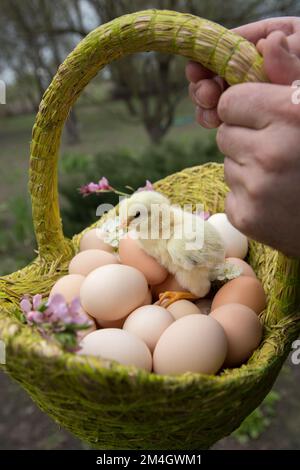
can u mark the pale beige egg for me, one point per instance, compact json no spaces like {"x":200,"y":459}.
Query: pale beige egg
{"x":113,"y":291}
{"x":243,"y":330}
{"x":243,"y":290}
{"x":93,"y":239}
{"x":245,"y":267}
{"x":68,"y":286}
{"x":195,"y":343}
{"x":148,"y":323}
{"x":132,"y":254}
{"x":182,"y":308}
{"x":86,"y":261}
{"x":148,"y":298}
{"x":117,"y":345}
{"x":236,"y":243}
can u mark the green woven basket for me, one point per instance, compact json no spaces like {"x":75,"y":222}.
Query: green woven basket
{"x":105,"y":404}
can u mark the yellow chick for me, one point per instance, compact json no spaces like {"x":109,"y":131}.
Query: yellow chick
{"x":186,"y":245}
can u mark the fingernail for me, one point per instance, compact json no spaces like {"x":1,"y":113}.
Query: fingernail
{"x":208,"y":117}
{"x":197,"y":92}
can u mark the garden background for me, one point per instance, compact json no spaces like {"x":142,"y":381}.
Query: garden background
{"x":134,"y":122}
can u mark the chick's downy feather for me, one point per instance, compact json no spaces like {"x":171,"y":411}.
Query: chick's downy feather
{"x":187,"y":246}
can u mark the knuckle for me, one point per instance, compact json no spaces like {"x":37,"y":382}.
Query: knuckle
{"x":238,"y":217}
{"x":270,"y":160}
{"x":255,"y":190}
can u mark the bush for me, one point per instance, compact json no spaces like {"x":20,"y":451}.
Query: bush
{"x":17,"y":240}
{"x":122,"y":168}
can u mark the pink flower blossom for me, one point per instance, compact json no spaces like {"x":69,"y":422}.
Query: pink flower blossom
{"x":93,"y":187}
{"x":104,"y":184}
{"x":37,"y":301}
{"x":35,"y":317}
{"x":57,"y":318}
{"x":84,"y":190}
{"x":148,"y":187}
{"x":90,"y":188}
{"x":26,"y":305}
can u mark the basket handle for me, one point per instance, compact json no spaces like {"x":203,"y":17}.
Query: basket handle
{"x":219,"y":49}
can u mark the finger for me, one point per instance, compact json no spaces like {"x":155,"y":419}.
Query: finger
{"x":195,"y":72}
{"x":232,"y":173}
{"x":251,"y":104}
{"x":261,"y":29}
{"x":206,"y":93}
{"x":281,"y":66}
{"x":237,"y":143}
{"x":207,"y":118}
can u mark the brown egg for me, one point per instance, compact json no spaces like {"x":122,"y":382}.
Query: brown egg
{"x":242,"y":290}
{"x":245,"y":267}
{"x":169,"y":284}
{"x":195,"y":343}
{"x":113,"y":291}
{"x":92,"y":239}
{"x":131,"y":254}
{"x":243,"y":330}
{"x":88,"y":260}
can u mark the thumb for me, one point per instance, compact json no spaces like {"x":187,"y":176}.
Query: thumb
{"x":281,"y":66}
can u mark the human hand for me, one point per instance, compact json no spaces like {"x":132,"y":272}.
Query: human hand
{"x":206,"y":88}
{"x":260,"y":137}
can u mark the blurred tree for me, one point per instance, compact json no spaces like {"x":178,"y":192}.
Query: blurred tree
{"x":39,"y":33}
{"x":152,"y":84}
{"x":36,"y":35}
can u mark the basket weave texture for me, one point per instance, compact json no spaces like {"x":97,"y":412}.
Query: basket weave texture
{"x":103,"y":403}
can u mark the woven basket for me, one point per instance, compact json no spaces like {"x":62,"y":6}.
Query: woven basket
{"x":105,"y":404}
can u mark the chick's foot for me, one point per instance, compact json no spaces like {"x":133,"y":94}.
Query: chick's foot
{"x":169,"y":297}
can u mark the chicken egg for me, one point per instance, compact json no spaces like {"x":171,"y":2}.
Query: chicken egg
{"x":132,"y":254}
{"x":243,"y":330}
{"x":113,"y":291}
{"x":92,"y":239}
{"x":182,"y":308}
{"x":196,"y":343}
{"x":148,"y":323}
{"x":148,"y":298}
{"x":170,"y":284}
{"x":88,"y":260}
{"x":243,"y":290}
{"x":236,"y":244}
{"x":117,"y":345}
{"x":68,"y":286}
{"x":245,"y":267}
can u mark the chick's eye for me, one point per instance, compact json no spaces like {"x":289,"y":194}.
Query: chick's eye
{"x":137,"y":215}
